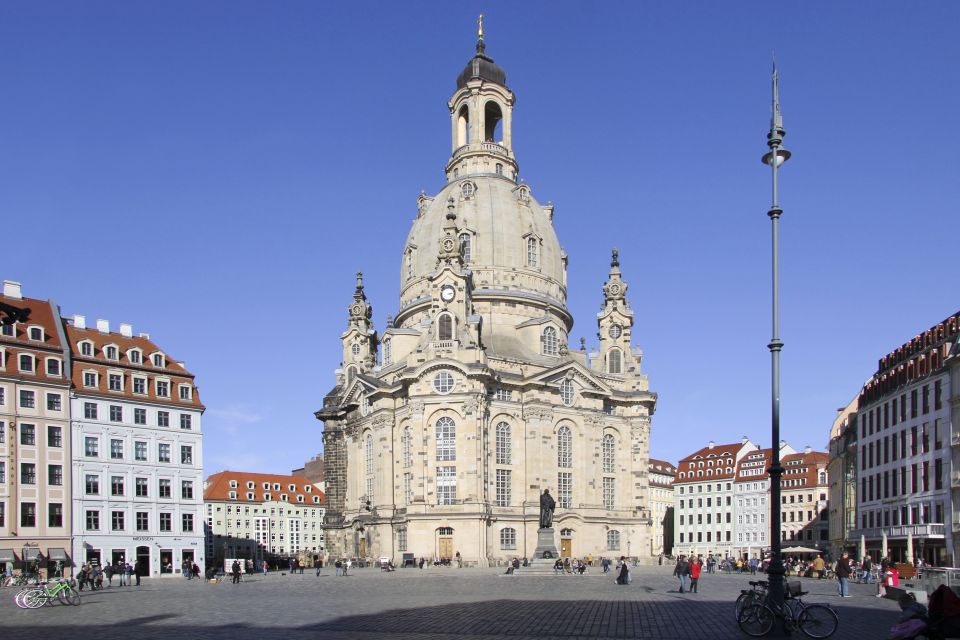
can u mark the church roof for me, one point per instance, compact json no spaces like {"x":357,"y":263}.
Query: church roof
{"x":482,"y":67}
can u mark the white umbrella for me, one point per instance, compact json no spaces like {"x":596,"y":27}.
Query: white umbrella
{"x":909,"y":546}
{"x":863,"y":547}
{"x":883,"y":550}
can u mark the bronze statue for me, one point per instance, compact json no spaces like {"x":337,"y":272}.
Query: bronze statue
{"x":547,"y":505}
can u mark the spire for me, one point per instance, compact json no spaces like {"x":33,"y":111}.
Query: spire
{"x":480,"y":44}
{"x":359,"y":295}
{"x":776,"y":118}
{"x":615,"y":258}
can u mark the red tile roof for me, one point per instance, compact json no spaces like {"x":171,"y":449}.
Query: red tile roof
{"x":749,"y":463}
{"x":218,"y":487}
{"x":664,"y":466}
{"x":42,"y":314}
{"x":724,"y":454}
{"x":794,"y":464}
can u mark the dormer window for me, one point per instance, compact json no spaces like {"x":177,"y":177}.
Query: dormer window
{"x":267,"y":497}
{"x":233,"y":495}
{"x":283,"y":497}
{"x":8,"y":330}
{"x":307,"y":488}
{"x":524,"y":194}
{"x":316,"y":499}
{"x":186,"y":392}
{"x":549,"y":342}
{"x":158,"y":360}
{"x":36,"y":333}
{"x":134,"y":356}
{"x":299,"y":498}
{"x":86,"y":348}
{"x":26,"y":363}
{"x":233,"y":484}
{"x":111,"y":352}
{"x":292,"y":487}
{"x":163,"y":388}
{"x":266,"y":486}
{"x":53,"y":367}
{"x":250,"y":484}
{"x":532,"y":252}
{"x":249,"y":495}
{"x":115,"y":381}
{"x":90,"y":378}
{"x":276,"y":486}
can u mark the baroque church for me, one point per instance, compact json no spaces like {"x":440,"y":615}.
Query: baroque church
{"x":442,"y":432}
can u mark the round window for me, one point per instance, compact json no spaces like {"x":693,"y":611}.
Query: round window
{"x":567,"y":392}
{"x":355,"y":349}
{"x":467,"y":189}
{"x":443,"y":382}
{"x":615,"y":331}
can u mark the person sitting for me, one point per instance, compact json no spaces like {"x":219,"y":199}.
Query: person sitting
{"x":558,"y":567}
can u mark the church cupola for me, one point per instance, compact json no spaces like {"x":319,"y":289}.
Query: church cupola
{"x":360,"y":338}
{"x":481,"y":118}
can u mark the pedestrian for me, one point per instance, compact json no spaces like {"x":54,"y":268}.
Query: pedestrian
{"x":695,"y":567}
{"x":422,"y":561}
{"x":842,"y":571}
{"x":138,"y":570}
{"x":623,"y":575}
{"x":711,"y":563}
{"x":347,"y":565}
{"x":319,"y":566}
{"x":819,"y":566}
{"x":459,"y":561}
{"x":128,"y":572}
{"x":186,"y":569}
{"x":235,"y":571}
{"x":339,"y":566}
{"x":194,"y":567}
{"x":265,"y":566}
{"x":867,"y":569}
{"x":681,"y":570}
{"x":660,"y":560}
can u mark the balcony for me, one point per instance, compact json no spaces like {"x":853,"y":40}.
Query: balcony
{"x":481,"y":147}
{"x":932,"y":530}
{"x":443,"y":345}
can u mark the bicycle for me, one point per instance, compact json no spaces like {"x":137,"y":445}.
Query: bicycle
{"x":61,"y":591}
{"x":756,"y":594}
{"x":814,"y":620}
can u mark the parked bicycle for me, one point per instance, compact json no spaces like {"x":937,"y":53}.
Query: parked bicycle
{"x":757,"y":593}
{"x":62,"y":591}
{"x":814,"y":620}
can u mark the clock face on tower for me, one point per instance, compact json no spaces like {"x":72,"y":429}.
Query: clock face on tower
{"x":447,"y":293}
{"x":615,"y":331}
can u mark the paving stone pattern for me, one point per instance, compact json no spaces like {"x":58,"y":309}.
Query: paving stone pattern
{"x":429,"y":604}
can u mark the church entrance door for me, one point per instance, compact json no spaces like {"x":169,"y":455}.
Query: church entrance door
{"x":565,"y":547}
{"x":446,"y":548}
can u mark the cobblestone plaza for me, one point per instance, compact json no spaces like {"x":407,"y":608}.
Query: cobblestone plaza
{"x":433,"y":603}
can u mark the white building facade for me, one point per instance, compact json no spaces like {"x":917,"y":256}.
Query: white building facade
{"x":137,"y":455}
{"x":661,"y":478}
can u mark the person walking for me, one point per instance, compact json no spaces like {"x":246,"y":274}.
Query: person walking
{"x":681,"y":570}
{"x":121,"y":573}
{"x":138,"y":570}
{"x":235,"y":570}
{"x":186,"y":569}
{"x":339,"y":566}
{"x":819,"y":566}
{"x":459,"y":561}
{"x":842,"y":571}
{"x":695,"y":567}
{"x":623,"y":574}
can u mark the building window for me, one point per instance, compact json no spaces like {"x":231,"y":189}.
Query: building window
{"x":445,"y":327}
{"x":55,"y":475}
{"x":467,"y":189}
{"x":187,"y":522}
{"x":158,"y":360}
{"x":443,"y":382}
{"x":92,"y":485}
{"x":116,"y":413}
{"x":186,"y":392}
{"x":614,"y":361}
{"x":504,"y":443}
{"x":548,"y":341}
{"x":134,"y":356}
{"x":565,"y":490}
{"x":186,"y":490}
{"x":564,"y":447}
{"x":86,"y":349}
{"x":609,"y":453}
{"x":116,"y":449}
{"x":115,"y":382}
{"x":446,"y":432}
{"x":117,"y":521}
{"x":163,"y":452}
{"x":163,"y":489}
{"x":36,"y":333}
{"x":26,"y":363}
{"x":90,"y":410}
{"x":139,"y":416}
{"x":608,"y":493}
{"x":111,"y":352}
{"x":163,"y":418}
{"x":446,"y":485}
{"x":28,"y":434}
{"x":140,"y":451}
{"x":93,"y":520}
{"x":91,"y":447}
{"x":54,"y":402}
{"x":116,"y":485}
{"x":186,"y":454}
{"x":531,"y":252}
{"x":504,"y":484}
{"x":143,"y":521}
{"x":355,"y":349}
{"x":567,"y":392}
{"x":142,"y":487}
{"x":186,"y":421}
{"x":55,"y":514}
{"x":53,"y":367}
{"x":613,"y":540}
{"x":28,"y":514}
{"x":140,"y":386}
{"x":89,"y":379}
{"x":401,"y":540}
{"x":28,"y":473}
{"x":166,"y":522}
{"x":465,"y":247}
{"x":387,"y":352}
{"x":406,"y":445}
{"x":28,"y":399}
{"x":54,"y":436}
{"x":508,"y":538}
{"x":368,"y":450}
{"x":163,"y":389}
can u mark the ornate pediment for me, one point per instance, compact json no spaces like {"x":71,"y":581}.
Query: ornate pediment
{"x":573,"y":370}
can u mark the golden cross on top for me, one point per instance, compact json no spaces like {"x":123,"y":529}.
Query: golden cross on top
{"x":480,"y":27}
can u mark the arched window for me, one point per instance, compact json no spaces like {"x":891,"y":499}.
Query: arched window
{"x":564,"y":447}
{"x":499,"y":169}
{"x":465,"y":247}
{"x":613,"y":540}
{"x":355,"y":349}
{"x":369,"y":456}
{"x":467,"y":189}
{"x":613,"y":361}
{"x":445,"y":327}
{"x":567,"y":394}
{"x":387,"y":352}
{"x":508,"y":538}
{"x":408,"y":259}
{"x":609,"y":453}
{"x":446,"y":439}
{"x":492,"y":115}
{"x":406,"y":444}
{"x":531,"y":252}
{"x":549,"y":341}
{"x":463,"y":126}
{"x":504,"y":443}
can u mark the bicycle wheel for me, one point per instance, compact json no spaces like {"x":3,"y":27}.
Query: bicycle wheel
{"x":18,"y":599}
{"x":70,"y":596}
{"x":756,"y":620}
{"x":818,"y":621}
{"x":745,"y":600}
{"x":34,"y":599}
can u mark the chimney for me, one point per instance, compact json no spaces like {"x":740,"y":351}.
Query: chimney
{"x":710,"y":444}
{"x":145,"y":336}
{"x":744,"y":440}
{"x":783,"y":443}
{"x":79,"y":322}
{"x":103,"y":326}
{"x":126,"y":330}
{"x":808,"y":449}
{"x":11,"y":289}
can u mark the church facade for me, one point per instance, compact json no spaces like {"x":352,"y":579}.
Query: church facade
{"x":442,"y":431}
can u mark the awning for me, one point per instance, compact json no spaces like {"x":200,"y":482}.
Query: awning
{"x":6,"y":555}
{"x":56,"y":553}
{"x":31,"y":553}
{"x":800,"y":550}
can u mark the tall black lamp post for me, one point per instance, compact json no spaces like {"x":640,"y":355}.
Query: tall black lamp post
{"x":775,"y":157}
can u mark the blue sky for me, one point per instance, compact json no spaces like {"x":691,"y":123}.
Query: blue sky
{"x":215,"y":173}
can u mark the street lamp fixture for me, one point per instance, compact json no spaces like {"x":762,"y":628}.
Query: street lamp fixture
{"x":774,"y":158}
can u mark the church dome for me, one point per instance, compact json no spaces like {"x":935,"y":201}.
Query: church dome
{"x":482,"y":67}
{"x":507,"y":237}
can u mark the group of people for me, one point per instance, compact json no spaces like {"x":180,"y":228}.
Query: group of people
{"x":687,"y":571}
{"x":190,"y":569}
{"x":577,"y":567}
{"x":92,"y":575}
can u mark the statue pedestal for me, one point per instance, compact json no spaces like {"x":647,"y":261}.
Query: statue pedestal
{"x":546,"y":545}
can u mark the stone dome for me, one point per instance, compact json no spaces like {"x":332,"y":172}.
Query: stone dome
{"x":503,"y":222}
{"x":482,"y":66}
